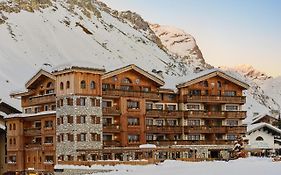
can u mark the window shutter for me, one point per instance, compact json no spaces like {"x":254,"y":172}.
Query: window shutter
{"x":78,"y":119}
{"x":78,"y":137}
{"x":78,"y":101}
{"x":58,"y":121}
{"x":98,"y":120}
{"x":98,"y":102}
{"x":98,"y":137}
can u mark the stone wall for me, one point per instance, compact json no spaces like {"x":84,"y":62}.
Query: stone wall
{"x":67,"y":147}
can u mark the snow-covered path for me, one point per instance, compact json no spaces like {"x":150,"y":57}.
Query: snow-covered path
{"x":249,"y":166}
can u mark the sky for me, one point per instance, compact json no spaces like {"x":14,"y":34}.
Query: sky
{"x":228,"y":32}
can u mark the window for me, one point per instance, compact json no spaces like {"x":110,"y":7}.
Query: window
{"x":81,"y":119}
{"x":232,"y":122}
{"x":159,"y":122}
{"x":53,"y":107}
{"x":12,"y":159}
{"x":48,"y":139}
{"x":105,"y":86}
{"x":231,"y":108}
{"x":159,"y":106}
{"x":69,"y":101}
{"x":81,"y":101}
{"x":27,"y":110}
{"x":193,"y":122}
{"x":70,"y":119}
{"x":146,"y":89}
{"x":230,"y":93}
{"x":37,"y":124}
{"x":49,"y":159}
{"x":70,"y":137}
{"x":195,"y":92}
{"x":133,"y":104}
{"x":259,"y":138}
{"x":107,"y":121}
{"x":171,"y":107}
{"x":70,"y":157}
{"x":193,"y":107}
{"x":107,"y":137}
{"x":133,"y":121}
{"x":149,"y":122}
{"x":204,"y":83}
{"x":133,"y":138}
{"x":14,"y":126}
{"x":149,"y":106}
{"x":172,"y":96}
{"x":95,"y":102}
{"x":231,"y":137}
{"x":93,"y":85}
{"x":193,"y":137}
{"x":95,"y":137}
{"x":14,"y":141}
{"x":172,"y":122}
{"x":106,"y":104}
{"x":50,"y":91}
{"x":37,"y":109}
{"x":126,"y":81}
{"x":61,"y":85}
{"x":67,"y":85}
{"x":149,"y":137}
{"x":46,"y":108}
{"x":50,"y":85}
{"x":126,"y":88}
{"x":49,"y":124}
{"x":81,"y":137}
{"x":10,"y":126}
{"x":219,"y":84}
{"x":83,"y":84}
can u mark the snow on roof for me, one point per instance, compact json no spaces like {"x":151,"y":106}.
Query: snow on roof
{"x":3,"y":127}
{"x":210,"y":71}
{"x":260,"y":116}
{"x":29,"y":115}
{"x":254,"y":127}
{"x":80,"y":64}
{"x":151,"y":146}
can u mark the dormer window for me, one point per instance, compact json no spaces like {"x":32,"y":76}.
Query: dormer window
{"x":61,"y":85}
{"x":93,"y":85}
{"x":67,"y":85}
{"x":83,"y":84}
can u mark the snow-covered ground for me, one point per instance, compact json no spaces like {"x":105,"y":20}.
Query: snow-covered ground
{"x":248,"y":166}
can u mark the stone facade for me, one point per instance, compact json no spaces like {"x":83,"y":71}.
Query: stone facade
{"x":65,"y":147}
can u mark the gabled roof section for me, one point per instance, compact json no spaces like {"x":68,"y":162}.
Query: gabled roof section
{"x":40,"y":73}
{"x":255,"y":127}
{"x":261,"y":116}
{"x":137,"y":69}
{"x":209,"y":74}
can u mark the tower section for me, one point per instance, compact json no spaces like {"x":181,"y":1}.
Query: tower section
{"x":79,"y":112}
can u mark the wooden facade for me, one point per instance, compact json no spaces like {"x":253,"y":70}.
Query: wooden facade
{"x":135,"y":111}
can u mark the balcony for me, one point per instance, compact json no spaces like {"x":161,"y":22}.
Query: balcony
{"x":205,"y":129}
{"x":163,"y":113}
{"x":214,"y":99}
{"x":122,"y":93}
{"x":111,"y":143}
{"x":219,"y":114}
{"x":190,"y":142}
{"x":33,"y":146}
{"x":32,"y":131}
{"x":111,"y":128}
{"x":237,"y":129}
{"x":163,"y":129}
{"x":37,"y":100}
{"x":110,"y":111}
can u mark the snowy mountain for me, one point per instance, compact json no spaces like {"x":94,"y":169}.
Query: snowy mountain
{"x":48,"y":33}
{"x":54,"y":32}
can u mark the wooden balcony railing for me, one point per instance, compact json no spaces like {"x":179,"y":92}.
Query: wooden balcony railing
{"x":111,"y":143}
{"x":221,"y":114}
{"x":163,"y":129}
{"x":204,"y":129}
{"x":214,"y":99}
{"x":111,"y":128}
{"x":33,"y":146}
{"x":32,"y":131}
{"x":123,"y":93}
{"x":163,"y":113}
{"x":50,"y":98}
{"x":191,"y":142}
{"x":110,"y":111}
{"x":237,"y":129}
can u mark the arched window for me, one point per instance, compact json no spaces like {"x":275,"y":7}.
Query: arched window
{"x":49,"y":85}
{"x":126,"y":81}
{"x":61,"y":85}
{"x":67,"y":85}
{"x":259,"y":138}
{"x":93,"y":85}
{"x":83,"y":84}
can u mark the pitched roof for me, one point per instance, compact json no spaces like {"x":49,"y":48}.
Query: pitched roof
{"x":137,"y":69}
{"x":260,"y":116}
{"x":40,"y":73}
{"x":19,"y":115}
{"x":201,"y":76}
{"x":258,"y":126}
